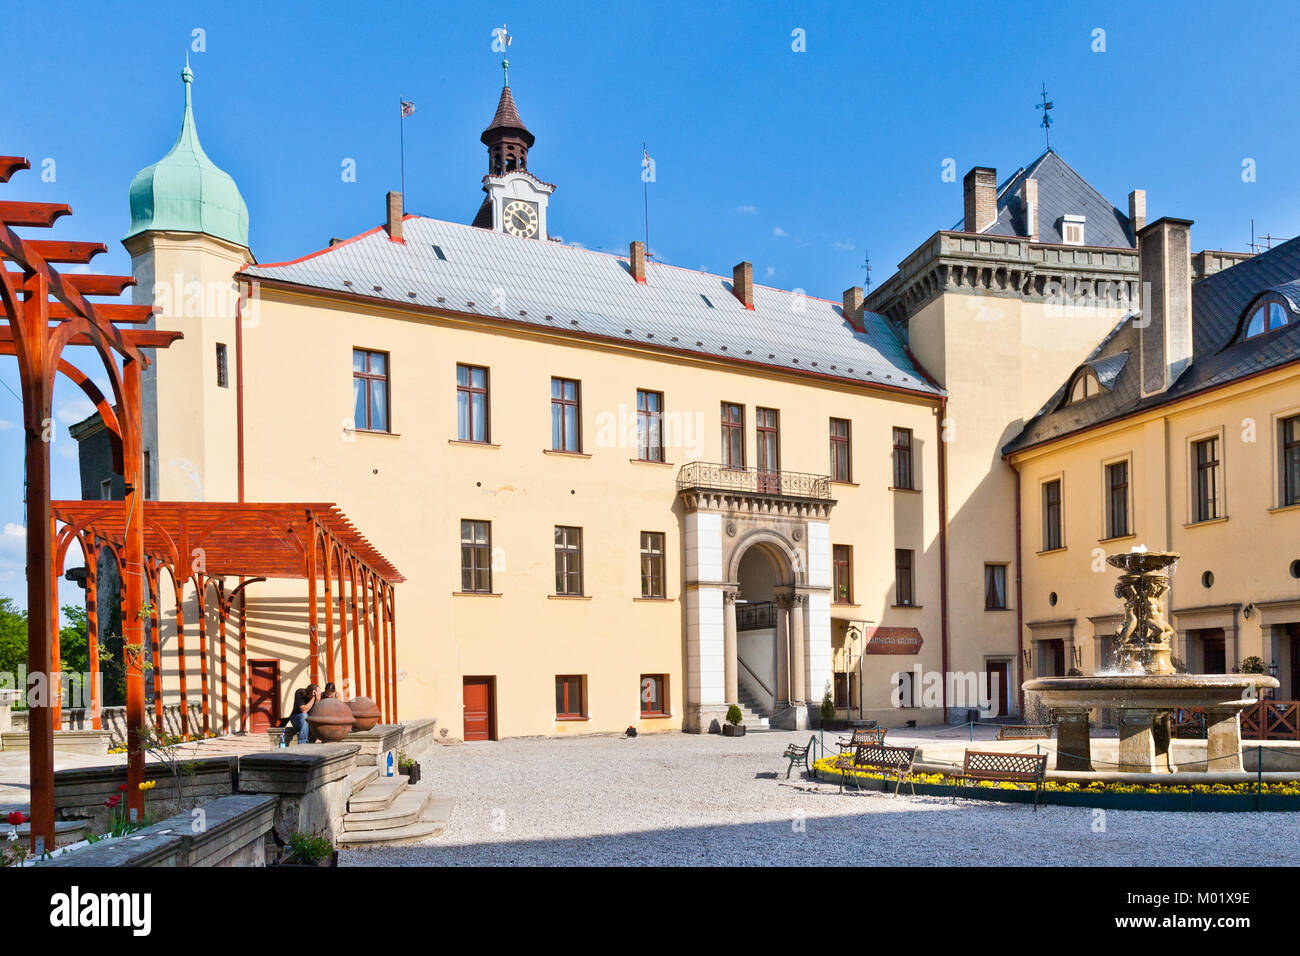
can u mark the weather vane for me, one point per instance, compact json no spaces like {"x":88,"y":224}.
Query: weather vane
{"x":1045,"y":106}
{"x":501,"y":43}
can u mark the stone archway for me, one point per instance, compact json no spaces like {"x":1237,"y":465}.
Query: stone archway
{"x":722,"y":527}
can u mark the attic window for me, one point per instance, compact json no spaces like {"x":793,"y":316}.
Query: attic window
{"x":1268,"y":315}
{"x":1085,"y":387}
{"x":1072,"y":231}
{"x":437,"y":251}
{"x":706,"y":300}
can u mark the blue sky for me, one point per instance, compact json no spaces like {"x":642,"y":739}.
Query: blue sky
{"x":801,"y":162}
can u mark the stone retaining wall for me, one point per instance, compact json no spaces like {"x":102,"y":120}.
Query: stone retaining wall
{"x":113,"y":720}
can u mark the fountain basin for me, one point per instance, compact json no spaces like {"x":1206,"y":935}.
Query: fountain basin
{"x":1143,"y":704}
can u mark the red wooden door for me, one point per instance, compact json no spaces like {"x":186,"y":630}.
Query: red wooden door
{"x":263,"y":695}
{"x":479,"y":706}
{"x":998,"y":687}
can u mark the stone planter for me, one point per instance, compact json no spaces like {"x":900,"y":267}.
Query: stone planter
{"x":413,"y":772}
{"x":733,"y":730}
{"x":331,"y":719}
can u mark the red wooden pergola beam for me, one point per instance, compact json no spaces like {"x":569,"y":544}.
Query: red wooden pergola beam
{"x":130,"y":339}
{"x":59,"y":250}
{"x":39,"y":215}
{"x":90,"y":284}
{"x":10,"y":165}
{"x":112,"y":311}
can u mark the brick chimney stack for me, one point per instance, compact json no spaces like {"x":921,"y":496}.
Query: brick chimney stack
{"x":394,"y":224}
{"x":853,"y":306}
{"x":1137,"y":210}
{"x":1165,"y":267}
{"x":1029,"y":196}
{"x":637,"y":256}
{"x":980,"y":194}
{"x":742,"y":283}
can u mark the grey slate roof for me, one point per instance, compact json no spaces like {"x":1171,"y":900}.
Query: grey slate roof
{"x":1219,"y":355}
{"x":1061,"y":192}
{"x":592,"y":294}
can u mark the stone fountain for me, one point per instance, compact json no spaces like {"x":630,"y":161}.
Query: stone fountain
{"x":1146,"y":689}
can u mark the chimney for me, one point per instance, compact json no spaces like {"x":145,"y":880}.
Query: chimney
{"x":980,"y":192}
{"x":742,"y":283}
{"x":1165,"y":267}
{"x":637,"y":255}
{"x":853,"y":307}
{"x":1029,"y":198}
{"x":394,"y":225}
{"x":1137,"y":210}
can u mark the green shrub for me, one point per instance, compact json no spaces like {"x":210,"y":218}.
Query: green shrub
{"x":307,"y":849}
{"x":828,"y":705}
{"x":1254,"y":665}
{"x":734,"y":716}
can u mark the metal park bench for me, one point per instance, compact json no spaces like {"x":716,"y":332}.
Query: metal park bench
{"x":1006,"y":768}
{"x":796,"y":754}
{"x":861,"y":737}
{"x":1025,"y":732}
{"x":900,"y":760}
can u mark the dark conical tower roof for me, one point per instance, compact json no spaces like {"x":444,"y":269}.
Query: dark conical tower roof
{"x":506,"y":121}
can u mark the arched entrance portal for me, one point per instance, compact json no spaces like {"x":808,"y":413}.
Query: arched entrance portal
{"x":758,"y":590}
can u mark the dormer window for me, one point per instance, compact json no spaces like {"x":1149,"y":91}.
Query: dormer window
{"x":1085,"y":387}
{"x":1072,"y":230}
{"x":1268,"y":314}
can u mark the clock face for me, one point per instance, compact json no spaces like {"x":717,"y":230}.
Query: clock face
{"x":519,"y":218}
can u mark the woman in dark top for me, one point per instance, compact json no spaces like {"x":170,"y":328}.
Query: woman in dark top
{"x":304,"y":699}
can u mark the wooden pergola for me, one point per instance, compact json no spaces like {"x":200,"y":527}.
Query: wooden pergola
{"x":43,"y":313}
{"x":205,"y":543}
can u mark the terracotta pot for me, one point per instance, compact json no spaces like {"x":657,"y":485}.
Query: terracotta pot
{"x":331,"y":719}
{"x":364,"y":713}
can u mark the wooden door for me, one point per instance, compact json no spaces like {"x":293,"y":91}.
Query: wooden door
{"x":998,"y":671}
{"x":263,"y":695}
{"x":1214,"y":651}
{"x":480,"y":708}
{"x":769,"y":451}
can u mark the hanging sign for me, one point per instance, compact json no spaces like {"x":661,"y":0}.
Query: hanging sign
{"x":892,"y":640}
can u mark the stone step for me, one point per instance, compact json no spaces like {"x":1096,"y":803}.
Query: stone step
{"x":433,"y":822}
{"x":377,"y":795}
{"x":360,"y":777}
{"x":405,"y":809}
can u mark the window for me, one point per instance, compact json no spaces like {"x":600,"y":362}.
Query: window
{"x":370,"y":390}
{"x":471,"y":403}
{"x":842,"y":566}
{"x":568,"y":561}
{"x":566,"y":431}
{"x":654,"y":695}
{"x":106,"y":489}
{"x":1117,"y":499}
{"x":569,"y":699}
{"x":733,"y":435}
{"x":223,"y":375}
{"x":1072,"y":230}
{"x":653,"y":578}
{"x":1290,"y":428}
{"x":841,"y":468}
{"x":767,"y":441}
{"x":1207,"y":479}
{"x":903,"y":458}
{"x":476,"y":557}
{"x":995,"y":587}
{"x":1052,"y":515}
{"x":903,"y":590}
{"x":1268,"y":315}
{"x":1085,"y":386}
{"x":649,"y":425}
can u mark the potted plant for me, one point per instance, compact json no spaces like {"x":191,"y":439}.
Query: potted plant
{"x":408,"y":767}
{"x":828,"y":710}
{"x":306,"y":849}
{"x":733,"y":727}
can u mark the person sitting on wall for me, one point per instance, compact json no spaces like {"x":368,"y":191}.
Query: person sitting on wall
{"x":304,"y":699}
{"x":330,"y":690}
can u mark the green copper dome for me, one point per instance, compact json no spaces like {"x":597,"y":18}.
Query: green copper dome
{"x":185,"y":191}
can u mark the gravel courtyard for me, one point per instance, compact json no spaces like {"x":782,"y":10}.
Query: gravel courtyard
{"x":675,"y":799}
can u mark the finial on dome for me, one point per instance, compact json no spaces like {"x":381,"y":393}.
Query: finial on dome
{"x":505,"y":68}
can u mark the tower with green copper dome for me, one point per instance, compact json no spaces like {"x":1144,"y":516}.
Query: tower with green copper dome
{"x":185,"y":191}
{"x":188,"y":238}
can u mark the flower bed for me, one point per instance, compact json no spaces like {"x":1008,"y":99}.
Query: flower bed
{"x":1247,"y":795}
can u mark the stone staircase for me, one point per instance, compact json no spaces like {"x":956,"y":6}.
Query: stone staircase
{"x":388,"y":810}
{"x":756,"y":715}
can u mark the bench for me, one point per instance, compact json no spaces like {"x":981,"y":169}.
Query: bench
{"x":900,"y":760}
{"x":796,"y":754}
{"x":861,"y":737}
{"x":1006,"y":768}
{"x":1025,"y":732}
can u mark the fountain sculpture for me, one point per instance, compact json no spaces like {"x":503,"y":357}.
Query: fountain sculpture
{"x":1147,"y":689}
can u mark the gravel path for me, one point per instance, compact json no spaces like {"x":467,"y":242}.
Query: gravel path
{"x":675,"y":799}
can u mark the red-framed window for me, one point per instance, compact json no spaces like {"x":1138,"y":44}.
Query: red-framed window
{"x":903,"y":475}
{"x":654,"y":695}
{"x":842,"y":566}
{"x":841,"y":459}
{"x":566,"y":417}
{"x":649,"y":425}
{"x":904,"y":583}
{"x":472,"y":403}
{"x":733,"y":435}
{"x":653,"y":576}
{"x":476,"y":556}
{"x":570,"y":701}
{"x":568,"y":561}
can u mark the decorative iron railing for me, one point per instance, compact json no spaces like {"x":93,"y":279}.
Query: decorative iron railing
{"x":755,"y":615}
{"x":719,"y":477}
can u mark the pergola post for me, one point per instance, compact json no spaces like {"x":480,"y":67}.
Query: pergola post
{"x":56,"y":663}
{"x":329,"y":612}
{"x":92,"y":630}
{"x":155,"y":618}
{"x":392,"y":661}
{"x":355,"y":689}
{"x":343,"y":619}
{"x":179,"y":588}
{"x":133,"y":585}
{"x":202,"y":582}
{"x":243,"y":660}
{"x":312,"y":624}
{"x":222,"y":613}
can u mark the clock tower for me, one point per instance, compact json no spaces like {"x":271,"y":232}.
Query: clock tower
{"x":516,"y":199}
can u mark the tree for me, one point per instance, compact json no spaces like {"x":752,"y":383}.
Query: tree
{"x":13,"y":638}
